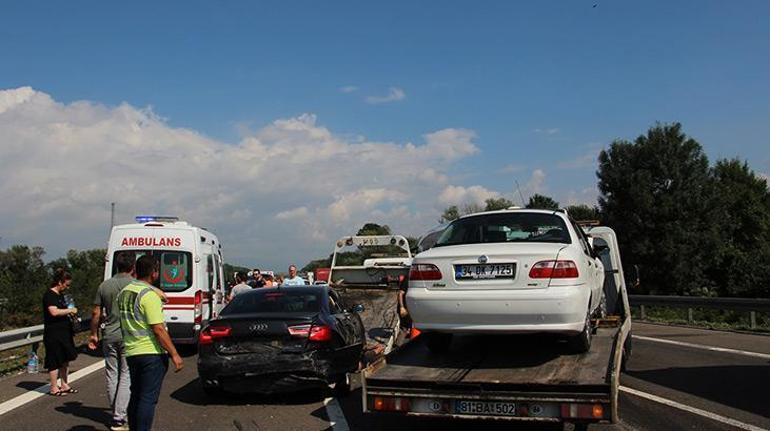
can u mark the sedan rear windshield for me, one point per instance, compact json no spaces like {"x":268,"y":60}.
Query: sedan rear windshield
{"x":506,"y":227}
{"x":272,"y":301}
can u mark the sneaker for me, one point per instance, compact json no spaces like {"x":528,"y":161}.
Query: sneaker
{"x":119,"y":426}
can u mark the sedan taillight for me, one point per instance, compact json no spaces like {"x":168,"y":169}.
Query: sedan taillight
{"x":424,"y":272}
{"x":212,"y":333}
{"x":313,"y":333}
{"x":554,"y":269}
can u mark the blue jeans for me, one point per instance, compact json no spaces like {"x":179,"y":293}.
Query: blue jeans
{"x":147,"y":372}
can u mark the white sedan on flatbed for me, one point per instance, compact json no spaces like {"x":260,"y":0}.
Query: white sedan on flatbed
{"x":510,"y":271}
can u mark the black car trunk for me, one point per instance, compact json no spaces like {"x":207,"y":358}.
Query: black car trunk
{"x":266,"y":333}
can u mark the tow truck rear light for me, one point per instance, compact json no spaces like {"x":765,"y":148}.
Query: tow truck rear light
{"x":212,"y":333}
{"x":313,"y":333}
{"x":424,"y":272}
{"x":582,"y":411}
{"x":554,"y":269}
{"x":198,"y":307}
{"x":390,"y":404}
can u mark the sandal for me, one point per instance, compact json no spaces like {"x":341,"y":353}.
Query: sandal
{"x":70,"y":390}
{"x":58,"y":393}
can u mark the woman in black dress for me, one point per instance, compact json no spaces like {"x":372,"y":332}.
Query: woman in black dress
{"x":58,"y":334}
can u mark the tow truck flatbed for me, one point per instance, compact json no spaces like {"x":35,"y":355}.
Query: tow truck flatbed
{"x":529,"y":377}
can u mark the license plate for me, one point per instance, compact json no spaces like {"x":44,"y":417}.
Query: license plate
{"x":485,"y":408}
{"x":474,"y":272}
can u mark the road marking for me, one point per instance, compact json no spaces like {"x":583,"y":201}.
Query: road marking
{"x":701,"y":346}
{"x":697,"y":411}
{"x":34,"y":394}
{"x":336,"y":417}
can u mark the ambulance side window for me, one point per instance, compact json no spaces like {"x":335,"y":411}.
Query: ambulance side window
{"x":210,"y":272}
{"x":218,"y":267}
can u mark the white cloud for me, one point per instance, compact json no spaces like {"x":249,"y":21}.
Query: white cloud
{"x":551,"y":131}
{"x":458,"y":195}
{"x":348,"y":89}
{"x":394,"y":95}
{"x":587,"y":196}
{"x":282,"y":193}
{"x":536,"y":182}
{"x":511,"y":169}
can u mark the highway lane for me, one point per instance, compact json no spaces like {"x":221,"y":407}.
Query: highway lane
{"x":727,"y":384}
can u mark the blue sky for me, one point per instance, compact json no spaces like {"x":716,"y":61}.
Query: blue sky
{"x":542,"y":85}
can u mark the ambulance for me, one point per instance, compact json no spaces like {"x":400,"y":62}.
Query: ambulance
{"x":191,"y":269}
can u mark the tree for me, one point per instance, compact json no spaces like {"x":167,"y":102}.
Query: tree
{"x":655,"y":194}
{"x":373,"y":229}
{"x":493,"y":204}
{"x":450,"y":214}
{"x":23,"y":280}
{"x":583,"y":212}
{"x":538,"y":201}
{"x":742,"y":205}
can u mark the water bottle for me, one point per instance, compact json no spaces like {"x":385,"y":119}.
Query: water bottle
{"x":32,"y":363}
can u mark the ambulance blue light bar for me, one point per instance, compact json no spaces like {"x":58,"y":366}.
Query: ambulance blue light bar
{"x":151,"y":218}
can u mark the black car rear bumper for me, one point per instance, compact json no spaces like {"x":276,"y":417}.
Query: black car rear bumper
{"x":266,"y":373}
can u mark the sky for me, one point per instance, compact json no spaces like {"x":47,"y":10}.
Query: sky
{"x":284,"y":125}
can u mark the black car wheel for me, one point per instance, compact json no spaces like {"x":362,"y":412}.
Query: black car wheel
{"x":437,"y":342}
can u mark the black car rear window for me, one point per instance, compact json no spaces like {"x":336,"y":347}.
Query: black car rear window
{"x":272,"y":301}
{"x":506,"y":227}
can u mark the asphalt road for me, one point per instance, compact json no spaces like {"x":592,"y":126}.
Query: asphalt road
{"x":723,"y":383}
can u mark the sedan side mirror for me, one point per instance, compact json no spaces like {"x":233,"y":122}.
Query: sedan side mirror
{"x":358,"y":308}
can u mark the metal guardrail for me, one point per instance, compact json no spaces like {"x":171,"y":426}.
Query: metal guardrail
{"x":21,"y":337}
{"x":752,"y":305}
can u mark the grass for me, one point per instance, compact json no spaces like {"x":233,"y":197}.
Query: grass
{"x":704,"y":318}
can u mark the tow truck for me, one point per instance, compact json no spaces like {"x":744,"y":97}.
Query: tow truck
{"x":515,"y":378}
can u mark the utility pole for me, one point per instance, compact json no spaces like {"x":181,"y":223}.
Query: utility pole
{"x":112,"y":215}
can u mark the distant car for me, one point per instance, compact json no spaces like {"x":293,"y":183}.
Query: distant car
{"x":281,"y":339}
{"x":509,"y":271}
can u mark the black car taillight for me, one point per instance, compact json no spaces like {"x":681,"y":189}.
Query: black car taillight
{"x":212,"y":333}
{"x":319,"y":333}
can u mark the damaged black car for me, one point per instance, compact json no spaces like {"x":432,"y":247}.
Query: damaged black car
{"x":283,"y":339}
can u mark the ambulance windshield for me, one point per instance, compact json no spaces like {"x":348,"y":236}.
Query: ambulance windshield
{"x":175,"y":268}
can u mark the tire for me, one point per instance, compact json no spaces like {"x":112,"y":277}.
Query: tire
{"x":437,"y":342}
{"x":581,"y":343}
{"x":342,"y":385}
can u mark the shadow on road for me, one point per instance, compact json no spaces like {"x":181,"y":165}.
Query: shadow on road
{"x":192,"y":393}
{"x":29,"y":385}
{"x":740,"y":386}
{"x":95,"y":414}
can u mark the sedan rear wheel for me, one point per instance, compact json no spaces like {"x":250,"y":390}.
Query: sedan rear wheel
{"x":581,"y":343}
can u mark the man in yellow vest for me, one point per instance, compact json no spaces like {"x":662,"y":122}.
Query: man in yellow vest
{"x":146,"y":342}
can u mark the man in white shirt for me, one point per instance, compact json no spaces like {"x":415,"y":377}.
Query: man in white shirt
{"x":240,"y":287}
{"x":293,"y":279}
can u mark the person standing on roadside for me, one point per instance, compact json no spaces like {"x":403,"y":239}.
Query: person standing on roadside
{"x":240,"y":287}
{"x":115,"y":365}
{"x":293,"y":279}
{"x":145,"y":338}
{"x":58,"y":335}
